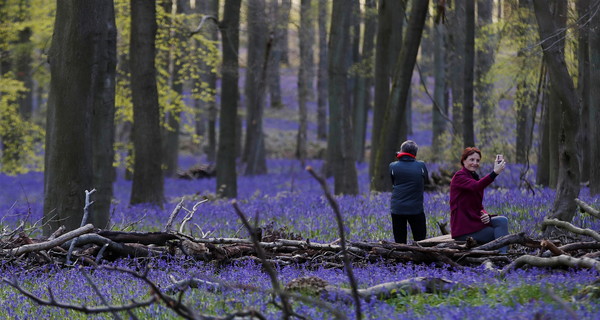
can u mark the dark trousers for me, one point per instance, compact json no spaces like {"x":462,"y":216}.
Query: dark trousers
{"x":418,"y":226}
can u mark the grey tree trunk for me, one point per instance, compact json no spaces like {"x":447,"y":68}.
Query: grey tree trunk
{"x":543,"y":168}
{"x":24,"y":72}
{"x":279,"y":15}
{"x":564,"y":207}
{"x":208,"y":77}
{"x":594,"y":107}
{"x":285,"y":21}
{"x":456,"y":60}
{"x":322,"y":71}
{"x":468,"y":130}
{"x":340,"y":125}
{"x":226,"y":152}
{"x":485,"y":56}
{"x":362,"y":94}
{"x":170,"y":133}
{"x":388,"y":12}
{"x":254,"y":146}
{"x":82,"y":60}
{"x":396,"y":106}
{"x":148,"y":177}
{"x":304,"y":81}
{"x":583,"y":86}
{"x":440,"y":91}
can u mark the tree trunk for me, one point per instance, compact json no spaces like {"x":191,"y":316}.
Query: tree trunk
{"x":468,"y":130}
{"x":81,"y":58}
{"x":485,"y":55}
{"x":226,"y":170}
{"x":396,"y":106}
{"x":594,"y":107}
{"x":279,"y":14}
{"x":440,"y":107}
{"x":456,"y":60}
{"x":147,"y":173}
{"x":564,"y":207}
{"x":322,"y":71}
{"x":583,"y":85}
{"x":525,"y":97}
{"x":304,"y":74}
{"x":208,"y":77}
{"x":388,"y":11}
{"x":254,"y":147}
{"x":543,"y":168}
{"x":340,"y":125}
{"x":285,"y":21}
{"x":170,"y":132}
{"x":362,"y":100}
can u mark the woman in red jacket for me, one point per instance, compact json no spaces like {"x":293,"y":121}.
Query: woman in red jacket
{"x":468,"y":218}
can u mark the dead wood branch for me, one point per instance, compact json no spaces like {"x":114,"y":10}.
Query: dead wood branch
{"x":587,"y":208}
{"x":559,"y":261}
{"x":147,"y":238}
{"x":51,"y":301}
{"x":388,"y":290}
{"x":48,"y":244}
{"x":589,"y":245}
{"x":173,"y":215}
{"x":569,"y":227}
{"x":548,"y":245}
{"x":118,"y":249}
{"x":519,"y":238}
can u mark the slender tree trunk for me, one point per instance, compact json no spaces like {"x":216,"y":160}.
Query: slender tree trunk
{"x":254,"y":147}
{"x":583,"y":85}
{"x":564,"y":207}
{"x":594,"y":106}
{"x":362,"y":100}
{"x":543,"y":168}
{"x":304,"y":77}
{"x":279,"y":14}
{"x":226,"y":170}
{"x":468,"y":130}
{"x":456,"y":60}
{"x":388,"y":11}
{"x":485,"y":56}
{"x":285,"y":21}
{"x":81,"y":57}
{"x":396,"y":106}
{"x":322,"y":71}
{"x":340,"y":125}
{"x":440,"y":107}
{"x":147,"y":173}
{"x":525,"y":98}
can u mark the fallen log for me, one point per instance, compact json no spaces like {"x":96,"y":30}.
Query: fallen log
{"x":559,"y":261}
{"x":587,"y":208}
{"x":48,"y":244}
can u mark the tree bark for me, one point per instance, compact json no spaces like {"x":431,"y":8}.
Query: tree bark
{"x":322,"y":81}
{"x":485,"y":56}
{"x":226,"y":170}
{"x":456,"y":60}
{"x":594,"y":107}
{"x":569,"y":171}
{"x":468,"y":130}
{"x":388,"y":11}
{"x":440,"y":91}
{"x":362,"y":100}
{"x":81,"y":66}
{"x":340,"y":125}
{"x":254,"y":146}
{"x":396,"y":106}
{"x":147,"y":172}
{"x":583,"y":85}
{"x":304,"y":74}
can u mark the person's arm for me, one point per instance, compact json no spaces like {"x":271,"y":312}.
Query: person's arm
{"x":463,"y":180}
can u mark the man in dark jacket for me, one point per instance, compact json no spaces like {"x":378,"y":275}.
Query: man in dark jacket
{"x":409,"y":178}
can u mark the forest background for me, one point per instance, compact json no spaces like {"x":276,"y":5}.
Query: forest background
{"x":358,"y":66}
{"x":91,"y":91}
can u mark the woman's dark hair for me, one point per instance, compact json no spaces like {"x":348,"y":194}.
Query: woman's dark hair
{"x":469,"y":151}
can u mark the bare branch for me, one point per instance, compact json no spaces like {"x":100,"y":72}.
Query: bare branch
{"x":562,"y":260}
{"x":48,"y":244}
{"x":340,"y":222}
{"x":569,"y":227}
{"x":587,"y":208}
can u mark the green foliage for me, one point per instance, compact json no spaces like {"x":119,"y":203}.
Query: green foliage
{"x":22,"y":140}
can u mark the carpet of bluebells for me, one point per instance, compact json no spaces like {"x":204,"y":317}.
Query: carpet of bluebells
{"x":289,"y":198}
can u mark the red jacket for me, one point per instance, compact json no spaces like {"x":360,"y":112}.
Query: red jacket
{"x":466,"y":202}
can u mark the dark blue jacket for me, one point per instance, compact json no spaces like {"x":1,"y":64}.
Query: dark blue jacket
{"x":409,"y":178}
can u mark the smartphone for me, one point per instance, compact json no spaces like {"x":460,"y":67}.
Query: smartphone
{"x":499,"y":158}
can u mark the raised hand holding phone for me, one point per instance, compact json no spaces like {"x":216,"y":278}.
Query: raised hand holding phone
{"x":499,"y":164}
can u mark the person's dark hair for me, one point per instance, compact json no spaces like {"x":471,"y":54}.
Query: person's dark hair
{"x":409,"y":146}
{"x":469,"y":151}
